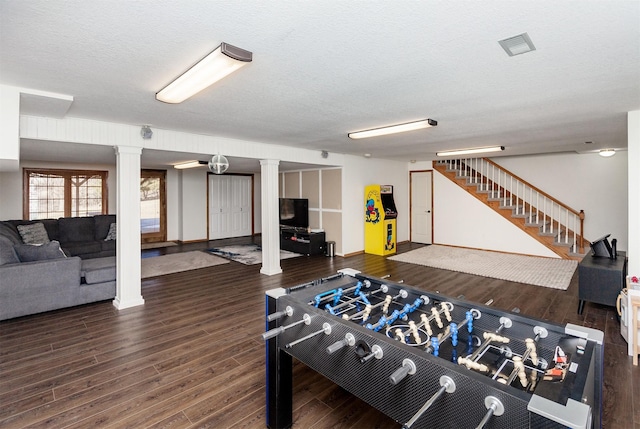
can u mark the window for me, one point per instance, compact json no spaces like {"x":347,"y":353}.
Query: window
{"x":50,"y":194}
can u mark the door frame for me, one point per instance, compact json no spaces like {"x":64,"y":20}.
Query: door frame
{"x":430,"y":171}
{"x":157,"y":237}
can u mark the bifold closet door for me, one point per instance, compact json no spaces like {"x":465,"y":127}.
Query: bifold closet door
{"x":230,"y":206}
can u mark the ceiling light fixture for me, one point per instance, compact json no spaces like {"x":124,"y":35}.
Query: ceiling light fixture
{"x":470,"y":151}
{"x":393,"y":129}
{"x":189,"y":164}
{"x":218,"y":164}
{"x":607,"y":152}
{"x":517,"y":45}
{"x":224,"y":60}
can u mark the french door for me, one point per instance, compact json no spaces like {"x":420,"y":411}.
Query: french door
{"x":153,"y":206}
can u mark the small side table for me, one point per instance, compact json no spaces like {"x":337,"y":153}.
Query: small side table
{"x":600,"y":280}
{"x":633,"y":338}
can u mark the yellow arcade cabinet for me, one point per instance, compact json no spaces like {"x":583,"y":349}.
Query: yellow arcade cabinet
{"x":380,"y":220}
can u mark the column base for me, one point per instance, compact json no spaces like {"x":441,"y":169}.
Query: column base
{"x":270,"y":272}
{"x":121,"y":305}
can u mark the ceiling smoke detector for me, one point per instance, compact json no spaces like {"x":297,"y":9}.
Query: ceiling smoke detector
{"x":517,"y":45}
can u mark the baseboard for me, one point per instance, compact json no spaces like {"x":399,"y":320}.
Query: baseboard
{"x":360,"y":252}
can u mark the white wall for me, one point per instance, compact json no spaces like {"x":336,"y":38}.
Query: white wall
{"x":193,"y":207}
{"x":257,"y":203}
{"x":173,"y":204}
{"x":460,"y":219}
{"x":358,"y":172}
{"x":586,"y":182}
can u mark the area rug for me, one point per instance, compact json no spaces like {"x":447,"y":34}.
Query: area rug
{"x":146,"y":246}
{"x":177,"y":262}
{"x":547,"y":272}
{"x":248,"y":254}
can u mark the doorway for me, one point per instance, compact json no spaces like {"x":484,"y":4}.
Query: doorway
{"x":153,"y":206}
{"x":421,"y":203}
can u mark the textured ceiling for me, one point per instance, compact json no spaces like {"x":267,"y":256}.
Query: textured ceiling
{"x":323,"y":69}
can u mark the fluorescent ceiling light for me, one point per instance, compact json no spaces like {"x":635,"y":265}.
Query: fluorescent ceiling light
{"x":393,"y":129}
{"x":224,"y":60}
{"x":470,"y":151}
{"x":517,"y":45}
{"x":190,"y":164}
{"x":607,"y":152}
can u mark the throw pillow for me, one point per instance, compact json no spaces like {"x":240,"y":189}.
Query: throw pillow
{"x":31,"y":253}
{"x":33,"y":233}
{"x":111,"y":235}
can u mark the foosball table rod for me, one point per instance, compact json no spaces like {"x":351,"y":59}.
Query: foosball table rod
{"x":306,"y":319}
{"x":494,"y":408}
{"x":447,"y":385}
{"x":326,"y":329}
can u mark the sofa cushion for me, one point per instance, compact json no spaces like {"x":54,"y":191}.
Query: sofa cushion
{"x":76,"y":248}
{"x":8,"y":230}
{"x":31,"y":252}
{"x":76,"y":229}
{"x":102,"y":224}
{"x":51,"y":225}
{"x":99,"y":270}
{"x":33,"y":233}
{"x":109,"y":246}
{"x":7,"y":252}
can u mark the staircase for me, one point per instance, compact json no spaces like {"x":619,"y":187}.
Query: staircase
{"x":552,"y":223}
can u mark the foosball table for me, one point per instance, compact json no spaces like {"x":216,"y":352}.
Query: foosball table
{"x":427,"y":360}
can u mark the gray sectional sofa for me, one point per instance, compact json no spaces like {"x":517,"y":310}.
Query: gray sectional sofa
{"x":76,"y":266}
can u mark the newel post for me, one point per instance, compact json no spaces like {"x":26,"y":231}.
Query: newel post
{"x":581,"y":231}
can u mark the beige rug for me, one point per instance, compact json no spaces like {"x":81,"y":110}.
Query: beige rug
{"x":547,"y":272}
{"x":177,"y":262}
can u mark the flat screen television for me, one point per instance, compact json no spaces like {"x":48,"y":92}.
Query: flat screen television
{"x":294,"y":212}
{"x":602,"y":248}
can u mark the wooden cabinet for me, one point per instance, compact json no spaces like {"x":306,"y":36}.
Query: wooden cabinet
{"x":306,"y":243}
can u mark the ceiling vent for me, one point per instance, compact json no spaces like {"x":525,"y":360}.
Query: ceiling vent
{"x":517,"y":45}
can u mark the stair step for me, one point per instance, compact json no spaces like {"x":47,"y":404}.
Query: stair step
{"x":563,"y":244}
{"x":485,"y":187}
{"x":501,"y":198}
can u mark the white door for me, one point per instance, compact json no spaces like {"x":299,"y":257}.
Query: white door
{"x":230,"y":206}
{"x":421,"y":210}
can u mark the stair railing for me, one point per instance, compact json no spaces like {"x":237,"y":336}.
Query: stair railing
{"x":527,"y":201}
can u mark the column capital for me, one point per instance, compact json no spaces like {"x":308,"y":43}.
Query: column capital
{"x":133,"y":150}
{"x":269,"y":162}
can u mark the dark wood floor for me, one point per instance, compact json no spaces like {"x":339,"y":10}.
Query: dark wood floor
{"x":191,"y":356}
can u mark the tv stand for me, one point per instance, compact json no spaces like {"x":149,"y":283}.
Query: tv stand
{"x":300,"y":241}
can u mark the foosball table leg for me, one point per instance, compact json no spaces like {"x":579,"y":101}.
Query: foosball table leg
{"x":279,"y":414}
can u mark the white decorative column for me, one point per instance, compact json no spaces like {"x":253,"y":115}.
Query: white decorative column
{"x":9,"y":128}
{"x":270,"y":218}
{"x":128,"y":284}
{"x":633,"y":180}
